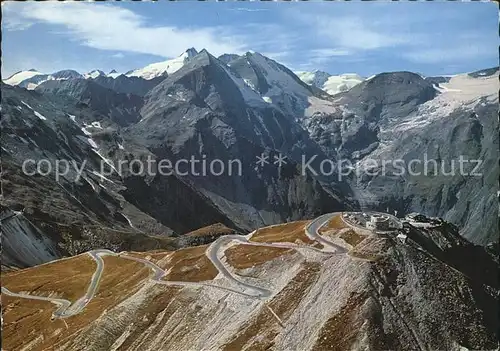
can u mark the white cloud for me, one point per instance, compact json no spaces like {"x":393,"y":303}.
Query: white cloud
{"x":356,"y":34}
{"x":15,"y":24}
{"x":248,"y":9}
{"x":319,"y":36}
{"x":277,"y":56}
{"x":450,"y":53}
{"x":330,"y":52}
{"x":317,"y":57}
{"x":336,"y":36}
{"x":108,"y":27}
{"x":468,"y":45}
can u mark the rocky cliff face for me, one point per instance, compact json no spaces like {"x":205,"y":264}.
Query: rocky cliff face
{"x":213,"y":115}
{"x":119,"y":107}
{"x":456,"y":124}
{"x":128,"y":85}
{"x":83,"y":208}
{"x":383,"y":293}
{"x":400,"y":117}
{"x":23,"y":244}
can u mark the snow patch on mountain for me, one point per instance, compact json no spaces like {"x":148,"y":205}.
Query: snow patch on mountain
{"x":25,"y":104}
{"x":32,"y":86}
{"x":249,"y":83}
{"x":100,"y":175}
{"x":169,"y":66}
{"x":39,"y":115}
{"x":36,"y":113}
{"x":443,"y":89}
{"x":107,"y":161}
{"x":92,"y":143}
{"x":85,"y":131}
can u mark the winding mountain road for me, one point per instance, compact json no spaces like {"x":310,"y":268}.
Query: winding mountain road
{"x":214,"y":253}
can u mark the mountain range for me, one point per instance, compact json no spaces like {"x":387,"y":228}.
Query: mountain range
{"x":236,"y":107}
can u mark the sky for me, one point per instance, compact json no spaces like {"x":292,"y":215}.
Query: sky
{"x":431,"y":38}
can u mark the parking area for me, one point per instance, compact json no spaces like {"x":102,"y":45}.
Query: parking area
{"x":374,"y":221}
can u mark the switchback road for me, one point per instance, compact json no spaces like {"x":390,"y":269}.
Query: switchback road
{"x":214,"y":253}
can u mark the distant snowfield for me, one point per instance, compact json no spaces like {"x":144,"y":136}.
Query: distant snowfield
{"x":462,"y":91}
{"x":330,"y":84}
{"x":21,"y":77}
{"x":465,"y":88}
{"x":93,"y":74}
{"x":344,"y":82}
{"x":18,"y":77}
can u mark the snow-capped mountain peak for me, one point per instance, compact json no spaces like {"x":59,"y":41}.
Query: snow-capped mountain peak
{"x":20,"y":76}
{"x":266,"y":76}
{"x":160,"y":68}
{"x":113,"y":74}
{"x":94,"y":74}
{"x":66,"y":74}
{"x":31,"y":79}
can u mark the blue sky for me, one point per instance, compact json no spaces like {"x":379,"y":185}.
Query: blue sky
{"x":338,"y":37}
